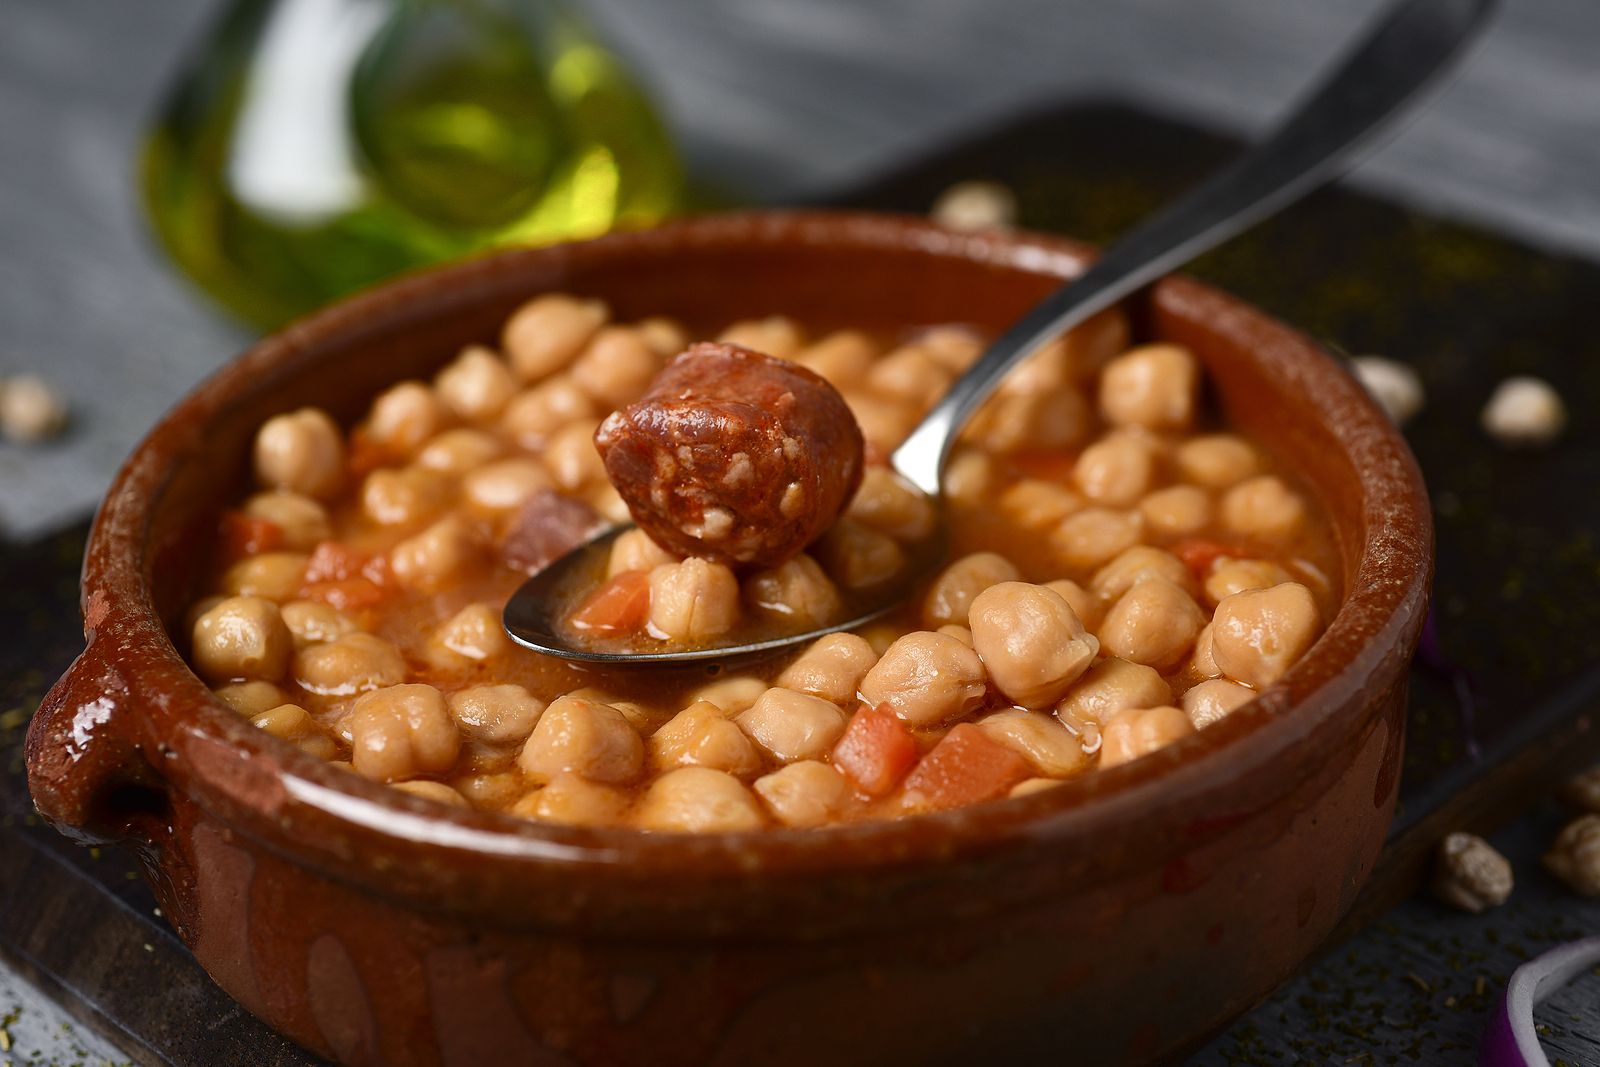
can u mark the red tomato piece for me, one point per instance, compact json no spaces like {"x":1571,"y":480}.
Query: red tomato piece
{"x":876,"y":750}
{"x":366,"y":455}
{"x":346,"y":594}
{"x":245,"y":535}
{"x":1200,"y":554}
{"x":619,"y":606}
{"x":332,"y":562}
{"x":965,"y":767}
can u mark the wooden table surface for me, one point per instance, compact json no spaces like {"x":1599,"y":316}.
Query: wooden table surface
{"x":779,"y":98}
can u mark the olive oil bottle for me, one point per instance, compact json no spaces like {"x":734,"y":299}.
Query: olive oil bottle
{"x":315,"y":146}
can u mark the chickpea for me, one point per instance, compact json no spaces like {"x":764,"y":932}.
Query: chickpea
{"x":1036,"y":504}
{"x":1259,"y":634}
{"x":796,"y":590}
{"x":437,"y":557}
{"x":1049,"y":420}
{"x":698,"y":800}
{"x":842,"y":358}
{"x":405,"y":416}
{"x":1094,"y":536}
{"x":1178,"y":511}
{"x":883,"y":423}
{"x":573,"y":458}
{"x":1155,"y":622}
{"x":355,"y":663}
{"x":1084,"y":604}
{"x":1030,"y":641}
{"x":955,"y":348}
{"x":1203,"y":663}
{"x":1116,"y":470}
{"x":535,"y":415}
{"x":616,"y":367}
{"x":405,"y":497}
{"x":926,"y":679}
{"x":1264,"y":508}
{"x":1574,"y":857}
{"x":693,"y":600}
{"x":968,"y":477}
{"x":304,"y":522}
{"x":574,"y":801}
{"x":950,"y":597}
{"x":1111,"y":686}
{"x":242,"y":637}
{"x":644,"y":720}
{"x":547,"y":333}
{"x":402,"y":731}
{"x":665,"y":336}
{"x":459,"y":451}
{"x":1140,"y":561}
{"x":792,"y":726}
{"x":775,"y":335}
{"x":891,"y":505}
{"x":858,"y":557}
{"x":701,"y":735}
{"x":911,"y":375}
{"x":1048,"y":370}
{"x":960,"y":633}
{"x":271,"y":575}
{"x":1153,"y":386}
{"x":503,"y":486}
{"x":1216,"y":461}
{"x":1469,"y":874}
{"x":636,"y":551}
{"x":582,"y":737}
{"x":808,"y":793}
{"x":477,"y":386}
{"x":437,"y":792}
{"x":832,"y":668}
{"x":292,"y":723}
{"x":250,"y":698}
{"x":1141,"y":731}
{"x":605,"y":499}
{"x":302,"y":452}
{"x":1029,"y":786}
{"x":1214,"y":701}
{"x":490,"y":791}
{"x":474,"y":633}
{"x":1230,"y":576}
{"x":496,"y":714}
{"x":1052,"y":749}
{"x":312,"y":622}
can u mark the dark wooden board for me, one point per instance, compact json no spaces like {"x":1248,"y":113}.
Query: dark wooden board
{"x":1518,"y":569}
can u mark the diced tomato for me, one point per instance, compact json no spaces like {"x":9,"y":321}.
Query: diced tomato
{"x":366,"y":455}
{"x":332,"y":562}
{"x":346,"y":594}
{"x":876,"y":750}
{"x":963,"y":768}
{"x":245,"y":535}
{"x":1049,"y":466}
{"x":619,"y":606}
{"x":1200,"y":554}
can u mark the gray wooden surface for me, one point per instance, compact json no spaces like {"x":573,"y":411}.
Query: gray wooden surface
{"x":780,"y":97}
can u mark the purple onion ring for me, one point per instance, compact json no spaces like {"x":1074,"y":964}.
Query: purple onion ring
{"x":1511,"y":1040}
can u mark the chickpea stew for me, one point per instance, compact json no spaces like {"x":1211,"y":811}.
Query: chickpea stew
{"x":1124,"y":572}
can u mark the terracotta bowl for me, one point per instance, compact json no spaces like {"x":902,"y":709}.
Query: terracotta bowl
{"x":1118,"y":918}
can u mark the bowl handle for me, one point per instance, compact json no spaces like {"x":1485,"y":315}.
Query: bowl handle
{"x":87,"y":772}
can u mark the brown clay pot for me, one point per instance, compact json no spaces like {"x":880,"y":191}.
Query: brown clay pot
{"x":1115,"y":919}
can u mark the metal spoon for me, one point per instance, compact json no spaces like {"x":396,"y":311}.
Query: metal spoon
{"x":1405,"y":53}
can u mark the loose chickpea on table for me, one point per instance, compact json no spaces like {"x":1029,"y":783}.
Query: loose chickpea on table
{"x":1123,"y":573}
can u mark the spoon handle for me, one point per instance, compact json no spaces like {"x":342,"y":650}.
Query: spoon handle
{"x":1405,"y":53}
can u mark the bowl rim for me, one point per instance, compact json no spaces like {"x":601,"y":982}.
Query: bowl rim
{"x":323,"y":816}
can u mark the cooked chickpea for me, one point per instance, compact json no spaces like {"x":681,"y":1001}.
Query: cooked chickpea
{"x":701,"y":735}
{"x":572,"y":457}
{"x":1111,"y":686}
{"x":1141,"y":731}
{"x":1259,"y":634}
{"x":537,"y":414}
{"x":574,"y":801}
{"x":883,"y":423}
{"x":645,"y":719}
{"x":436,"y":557}
{"x":1140,"y":561}
{"x":1094,"y":536}
{"x":404,"y":417}
{"x":1012,"y":422}
{"x":1155,"y":623}
{"x":616,"y":366}
{"x":911,"y":375}
{"x":437,"y":792}
{"x":1177,"y":511}
{"x":842,"y":358}
{"x":1036,"y":504}
{"x":796,"y":590}
{"x":1084,"y":604}
{"x":1216,"y":461}
{"x":1263,"y":507}
{"x":584,"y":737}
{"x":292,"y":723}
{"x":665,"y":336}
{"x":459,"y":451}
{"x":950,"y":597}
{"x":1230,"y":576}
{"x":303,"y":521}
{"x":477,"y":386}
{"x":242,"y":637}
{"x":496,"y":714}
{"x":1153,"y":386}
{"x":857,"y":556}
{"x":474,"y":633}
{"x":955,"y":348}
{"x":408,"y":496}
{"x":832,"y":668}
{"x":605,"y":499}
{"x":1029,"y":786}
{"x":693,"y":600}
{"x":1116,"y":470}
{"x":636,"y":551}
{"x":503,"y":486}
{"x":891,"y":505}
{"x":311,"y":622}
{"x":960,"y":633}
{"x":355,"y":663}
{"x":547,"y":333}
{"x":1203,"y":664}
{"x":968,"y":477}
{"x":271,"y":575}
{"x":732,"y":694}
{"x":250,"y":698}
{"x":775,"y":335}
{"x":490,"y":791}
{"x":808,"y":793}
{"x":402,"y":731}
{"x":1030,"y":641}
{"x":926,"y":679}
{"x":698,"y":800}
{"x":301,"y":452}
{"x":792,"y":726}
{"x":1214,"y":701}
{"x":1051,"y":748}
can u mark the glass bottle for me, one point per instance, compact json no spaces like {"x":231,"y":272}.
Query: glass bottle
{"x":315,"y":146}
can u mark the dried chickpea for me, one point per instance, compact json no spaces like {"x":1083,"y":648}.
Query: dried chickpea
{"x":242,"y":637}
{"x":503,"y":486}
{"x":1094,"y":536}
{"x":535,"y":415}
{"x":547,"y":333}
{"x":1524,"y":412}
{"x":1116,"y":470}
{"x":292,"y":723}
{"x":775,"y":335}
{"x":616,"y":367}
{"x":250,"y":698}
{"x":404,"y":417}
{"x":304,"y":522}
{"x":312,"y":621}
{"x":1469,"y":874}
{"x":437,"y":792}
{"x":1214,"y":701}
{"x":698,"y":800}
{"x":459,"y":451}
{"x":1052,"y":749}
{"x":408,"y":496}
{"x":355,"y":663}
{"x":796,"y":590}
{"x":302,"y":452}
{"x":693,"y":600}
{"x":1575,"y":856}
{"x":572,"y":457}
{"x":807,"y":793}
{"x":1030,"y":641}
{"x":584,"y":737}
{"x":1177,"y":511}
{"x":477,"y":385}
{"x":474,"y":633}
{"x":792,"y":726}
{"x":665,"y":336}
{"x":1155,"y":623}
{"x":858,"y":557}
{"x":832,"y":668}
{"x":1582,"y":791}
{"x":1140,"y":561}
{"x":1112,"y":686}
{"x":1263,"y":507}
{"x":910,"y":375}
{"x":496,"y":714}
{"x":636,"y":551}
{"x":271,"y":575}
{"x":891,"y":505}
{"x":437,"y":557}
{"x":575,"y":801}
{"x":1037,"y":504}
{"x":1259,"y":634}
{"x":402,"y":731}
{"x":950,"y":597}
{"x":1141,"y":731}
{"x":701,"y":735}
{"x":926,"y":679}
{"x":732,"y":694}
{"x":1152,"y":386}
{"x":842,"y":358}
{"x":1230,"y":576}
{"x":1216,"y":461}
